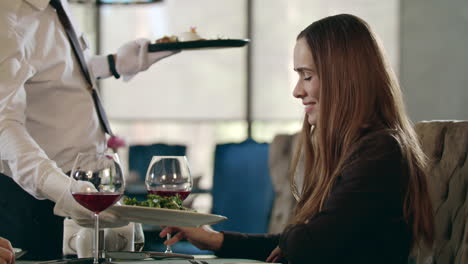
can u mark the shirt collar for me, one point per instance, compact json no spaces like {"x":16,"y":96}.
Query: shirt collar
{"x":39,"y":4}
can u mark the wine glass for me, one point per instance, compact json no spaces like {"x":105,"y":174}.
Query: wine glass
{"x":97,"y":182}
{"x":169,"y":176}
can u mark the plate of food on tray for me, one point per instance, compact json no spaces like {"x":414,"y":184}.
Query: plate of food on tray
{"x":164,"y":211}
{"x":192,"y":40}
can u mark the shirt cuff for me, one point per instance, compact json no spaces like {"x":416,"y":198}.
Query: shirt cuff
{"x":100,"y":67}
{"x":55,"y":185}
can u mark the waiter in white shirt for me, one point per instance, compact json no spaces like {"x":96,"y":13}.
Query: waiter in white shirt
{"x":47,"y":116}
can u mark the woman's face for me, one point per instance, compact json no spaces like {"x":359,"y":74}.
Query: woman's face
{"x":308,"y":86}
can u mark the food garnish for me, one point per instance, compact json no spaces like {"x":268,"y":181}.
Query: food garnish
{"x":167,"y":39}
{"x":156,"y":201}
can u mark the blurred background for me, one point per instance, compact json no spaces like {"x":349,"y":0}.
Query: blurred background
{"x":201,"y":99}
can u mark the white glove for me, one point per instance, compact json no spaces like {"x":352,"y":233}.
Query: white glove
{"x":67,"y":206}
{"x":133,"y":57}
{"x":56,"y":188}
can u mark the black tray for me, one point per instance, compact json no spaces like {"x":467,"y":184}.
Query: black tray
{"x":198,"y":44}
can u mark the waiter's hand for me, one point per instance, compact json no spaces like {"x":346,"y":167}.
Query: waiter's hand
{"x":67,"y":206}
{"x":133,"y":57}
{"x":7,"y":255}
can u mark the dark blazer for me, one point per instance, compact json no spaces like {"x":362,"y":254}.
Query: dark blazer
{"x":361,"y":221}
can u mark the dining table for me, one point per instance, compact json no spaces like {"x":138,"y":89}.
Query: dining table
{"x":198,"y":259}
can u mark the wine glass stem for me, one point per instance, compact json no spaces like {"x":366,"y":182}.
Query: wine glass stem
{"x":168,"y":248}
{"x":96,"y":239}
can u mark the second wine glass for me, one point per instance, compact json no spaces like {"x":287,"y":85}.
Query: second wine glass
{"x":169,"y":176}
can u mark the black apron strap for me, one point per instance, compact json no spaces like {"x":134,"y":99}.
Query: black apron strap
{"x":74,"y":42}
{"x":29,"y":224}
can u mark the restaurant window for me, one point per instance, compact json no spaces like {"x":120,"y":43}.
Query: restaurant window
{"x":198,"y":98}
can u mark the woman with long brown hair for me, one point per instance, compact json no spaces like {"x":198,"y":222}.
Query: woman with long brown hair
{"x":364,"y":197}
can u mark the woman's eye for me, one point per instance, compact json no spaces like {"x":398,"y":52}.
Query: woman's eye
{"x":308,"y":78}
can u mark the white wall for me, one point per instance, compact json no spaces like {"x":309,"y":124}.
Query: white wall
{"x":276,"y":26}
{"x":434,"y":58}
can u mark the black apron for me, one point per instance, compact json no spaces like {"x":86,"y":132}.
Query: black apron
{"x":29,"y":224}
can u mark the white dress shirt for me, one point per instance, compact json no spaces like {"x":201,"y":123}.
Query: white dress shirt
{"x":47,"y":115}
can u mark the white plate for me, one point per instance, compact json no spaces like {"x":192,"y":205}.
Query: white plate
{"x":165,"y":217}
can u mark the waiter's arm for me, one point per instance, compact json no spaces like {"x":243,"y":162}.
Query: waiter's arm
{"x":29,"y":165}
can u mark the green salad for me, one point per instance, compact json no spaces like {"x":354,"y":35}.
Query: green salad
{"x":156,"y":201}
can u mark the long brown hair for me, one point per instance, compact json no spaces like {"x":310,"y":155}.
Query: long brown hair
{"x":357,"y":87}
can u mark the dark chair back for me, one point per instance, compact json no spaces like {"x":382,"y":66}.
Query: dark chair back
{"x":139,"y":156}
{"x":446,"y":145}
{"x":242,"y":188}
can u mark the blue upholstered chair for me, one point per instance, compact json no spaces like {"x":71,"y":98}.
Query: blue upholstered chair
{"x":139,"y":156}
{"x":242,"y":188}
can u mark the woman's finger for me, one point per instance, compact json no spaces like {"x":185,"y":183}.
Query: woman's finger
{"x":6,"y":255}
{"x":164,"y":232}
{"x":270,"y":257}
{"x":174,"y":239}
{"x":167,"y":230}
{"x":5,"y":244}
{"x":274,"y":255}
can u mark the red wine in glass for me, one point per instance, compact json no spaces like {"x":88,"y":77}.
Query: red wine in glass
{"x":96,"y":202}
{"x":166,"y":193}
{"x":96,"y":182}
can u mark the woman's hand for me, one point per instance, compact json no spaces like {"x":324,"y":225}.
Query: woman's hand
{"x":275,"y":255}
{"x":7,"y":255}
{"x":203,"y":237}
